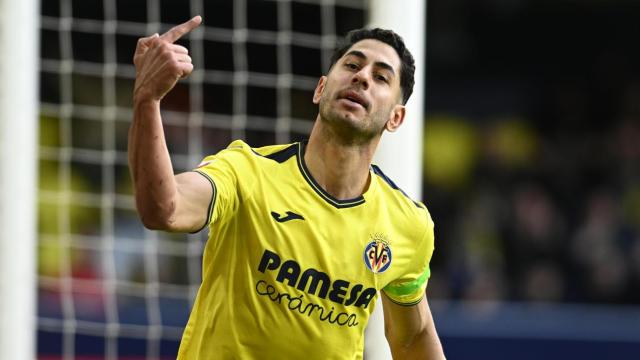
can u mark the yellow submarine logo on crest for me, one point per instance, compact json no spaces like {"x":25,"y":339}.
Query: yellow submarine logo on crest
{"x":377,"y":254}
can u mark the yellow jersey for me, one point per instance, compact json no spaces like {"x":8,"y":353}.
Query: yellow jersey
{"x":290,"y":272}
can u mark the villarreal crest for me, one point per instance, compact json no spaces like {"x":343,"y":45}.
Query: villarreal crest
{"x":377,"y":254}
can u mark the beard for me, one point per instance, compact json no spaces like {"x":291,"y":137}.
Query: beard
{"x":346,"y":127}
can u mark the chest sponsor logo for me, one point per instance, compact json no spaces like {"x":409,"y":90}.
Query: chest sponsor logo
{"x":377,"y":254}
{"x":312,"y":282}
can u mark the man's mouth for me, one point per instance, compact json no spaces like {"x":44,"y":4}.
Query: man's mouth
{"x":354,"y":97}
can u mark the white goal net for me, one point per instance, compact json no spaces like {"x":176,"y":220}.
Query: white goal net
{"x":107,"y":287}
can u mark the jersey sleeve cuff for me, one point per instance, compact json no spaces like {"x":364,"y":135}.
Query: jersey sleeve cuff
{"x":212,"y":202}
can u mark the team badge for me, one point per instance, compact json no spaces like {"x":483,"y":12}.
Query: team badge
{"x":377,"y":254}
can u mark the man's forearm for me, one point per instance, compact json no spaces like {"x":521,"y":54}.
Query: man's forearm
{"x":150,"y":165}
{"x":426,"y":345}
{"x":411,"y":331}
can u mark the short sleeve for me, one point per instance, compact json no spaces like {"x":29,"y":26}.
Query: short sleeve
{"x":410,"y":288}
{"x":223,"y":170}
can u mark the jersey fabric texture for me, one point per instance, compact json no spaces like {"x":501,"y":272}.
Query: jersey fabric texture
{"x":290,"y":272}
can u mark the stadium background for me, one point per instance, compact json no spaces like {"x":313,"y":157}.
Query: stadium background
{"x":531,"y":167}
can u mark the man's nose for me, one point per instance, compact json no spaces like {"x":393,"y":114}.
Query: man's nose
{"x":360,"y":77}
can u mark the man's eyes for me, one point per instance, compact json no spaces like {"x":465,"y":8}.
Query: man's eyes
{"x":355,"y":66}
{"x":382,"y":78}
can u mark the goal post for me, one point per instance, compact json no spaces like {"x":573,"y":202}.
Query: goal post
{"x":400,"y":154}
{"x":18,"y":164}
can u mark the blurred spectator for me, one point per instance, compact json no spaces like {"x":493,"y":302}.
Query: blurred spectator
{"x":532,"y":151}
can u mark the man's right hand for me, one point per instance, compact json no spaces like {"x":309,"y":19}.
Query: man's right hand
{"x":160,"y":63}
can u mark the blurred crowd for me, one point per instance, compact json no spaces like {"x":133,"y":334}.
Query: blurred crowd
{"x":523,"y":217}
{"x":532,"y":151}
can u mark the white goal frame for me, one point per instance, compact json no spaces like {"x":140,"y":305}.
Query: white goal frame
{"x":400,"y":154}
{"x":18,"y":167}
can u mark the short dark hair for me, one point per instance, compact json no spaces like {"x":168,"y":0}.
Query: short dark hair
{"x":390,"y":38}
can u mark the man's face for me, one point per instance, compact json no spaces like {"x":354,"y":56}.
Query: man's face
{"x":361,"y":92}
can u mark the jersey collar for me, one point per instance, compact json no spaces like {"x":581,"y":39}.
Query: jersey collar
{"x":340,"y":204}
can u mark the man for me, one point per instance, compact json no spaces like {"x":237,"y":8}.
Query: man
{"x":302,"y":236}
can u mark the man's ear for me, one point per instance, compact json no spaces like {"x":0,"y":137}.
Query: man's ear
{"x":317,"y":94}
{"x":396,"y":118}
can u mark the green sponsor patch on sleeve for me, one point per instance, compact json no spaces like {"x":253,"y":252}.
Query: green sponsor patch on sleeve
{"x":408,"y":288}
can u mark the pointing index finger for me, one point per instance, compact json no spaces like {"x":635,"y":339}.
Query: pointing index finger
{"x":179,"y":31}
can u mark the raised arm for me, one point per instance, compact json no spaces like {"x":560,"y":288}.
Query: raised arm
{"x":410,"y":331}
{"x":164,"y":201}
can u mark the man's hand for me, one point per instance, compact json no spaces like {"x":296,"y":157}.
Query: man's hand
{"x":164,"y":201}
{"x":160,"y":63}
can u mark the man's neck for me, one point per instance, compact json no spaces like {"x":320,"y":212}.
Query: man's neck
{"x":341,"y":169}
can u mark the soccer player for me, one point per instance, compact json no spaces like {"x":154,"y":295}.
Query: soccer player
{"x":303,"y":237}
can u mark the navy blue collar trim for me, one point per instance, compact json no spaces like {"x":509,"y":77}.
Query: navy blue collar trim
{"x":340,"y":204}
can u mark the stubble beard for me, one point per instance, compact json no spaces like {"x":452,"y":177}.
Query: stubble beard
{"x":348,"y":129}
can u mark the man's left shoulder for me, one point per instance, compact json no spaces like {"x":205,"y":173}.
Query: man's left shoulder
{"x":394,"y":191}
{"x":395,"y":196}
